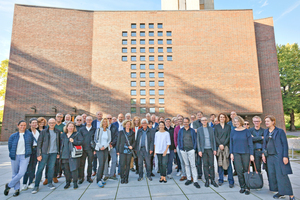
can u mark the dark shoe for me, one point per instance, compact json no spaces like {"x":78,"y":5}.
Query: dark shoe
{"x":207,"y":183}
{"x":6,"y":190}
{"x":247,"y":192}
{"x":242,"y":191}
{"x":196,"y":184}
{"x":152,"y":174}
{"x":75,"y":185}
{"x":89,"y":180}
{"x":17,"y":193}
{"x":199,"y":177}
{"x":214,"y":183}
{"x":80,"y":181}
{"x":230,"y":185}
{"x":122,"y":181}
{"x":234,"y":173}
{"x":183,"y":178}
{"x":132,"y":169}
{"x":158,"y":171}
{"x":160,"y":180}
{"x":112,"y":178}
{"x":136,"y":172}
{"x":140,"y":178}
{"x":278,"y":196}
{"x":105,"y":178}
{"x":126,"y":181}
{"x":67,"y":185}
{"x":94,"y":174}
{"x":188,"y":182}
{"x":220,"y":184}
{"x":150,"y":178}
{"x":165,"y":181}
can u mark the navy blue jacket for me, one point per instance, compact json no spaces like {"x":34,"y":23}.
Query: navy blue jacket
{"x":155,"y":125}
{"x":282,"y":148}
{"x":94,"y":123}
{"x":180,"y":138}
{"x":13,"y":144}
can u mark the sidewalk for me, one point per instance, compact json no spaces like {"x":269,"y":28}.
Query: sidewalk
{"x":134,"y":190}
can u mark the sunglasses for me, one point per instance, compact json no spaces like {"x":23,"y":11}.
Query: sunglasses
{"x":246,"y":124}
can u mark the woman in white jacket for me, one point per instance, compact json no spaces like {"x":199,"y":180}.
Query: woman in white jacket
{"x":102,"y":140}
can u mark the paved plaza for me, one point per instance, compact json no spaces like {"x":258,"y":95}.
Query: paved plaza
{"x":134,"y":190}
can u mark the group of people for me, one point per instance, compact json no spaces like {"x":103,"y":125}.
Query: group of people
{"x":189,"y":143}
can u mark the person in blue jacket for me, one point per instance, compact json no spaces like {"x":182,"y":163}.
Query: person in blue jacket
{"x":20,"y":149}
{"x":276,"y":155}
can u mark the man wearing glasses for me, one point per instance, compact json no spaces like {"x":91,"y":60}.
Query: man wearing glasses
{"x":78,"y":122}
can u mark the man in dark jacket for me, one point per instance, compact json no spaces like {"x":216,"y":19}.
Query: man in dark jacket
{"x":144,"y":147}
{"x":170,"y":129}
{"x":48,"y":148}
{"x":87,"y":133}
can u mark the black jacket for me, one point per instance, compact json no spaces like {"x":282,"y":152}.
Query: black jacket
{"x":171,"y":131}
{"x":122,"y":141}
{"x":150,"y":141}
{"x":87,"y":137}
{"x":44,"y":141}
{"x":114,"y":135}
{"x":79,"y":127}
{"x":201,"y":139}
{"x":257,"y":139}
{"x":222,"y":135}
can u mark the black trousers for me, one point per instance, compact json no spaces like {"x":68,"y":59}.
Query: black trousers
{"x":257,"y":160}
{"x":95,"y":162}
{"x":68,"y":173}
{"x":125,"y":165}
{"x":151,"y":162}
{"x":102,"y":157}
{"x":198,"y":161}
{"x":136,"y":162}
{"x":30,"y":173}
{"x":143,"y":155}
{"x":241,"y":164}
{"x":208,"y":164}
{"x":162,"y":164}
{"x":90,"y":156}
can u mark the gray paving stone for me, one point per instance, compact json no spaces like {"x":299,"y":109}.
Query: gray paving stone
{"x":99,"y":193}
{"x":238,"y":196}
{"x":133,"y":192}
{"x":213,"y":196}
{"x":169,"y":197}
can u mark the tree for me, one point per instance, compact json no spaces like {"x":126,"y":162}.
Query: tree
{"x":3,"y":78}
{"x":289,"y":72}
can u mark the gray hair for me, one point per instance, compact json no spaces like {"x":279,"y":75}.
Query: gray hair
{"x":144,"y":120}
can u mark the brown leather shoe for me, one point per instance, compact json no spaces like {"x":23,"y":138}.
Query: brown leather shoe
{"x":192,"y":179}
{"x":183,"y":178}
{"x":94,"y":174}
{"x":176,"y":167}
{"x":55,"y":180}
{"x":45,"y":182}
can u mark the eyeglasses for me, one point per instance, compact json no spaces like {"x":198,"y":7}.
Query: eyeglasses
{"x":79,"y":120}
{"x":109,"y":118}
{"x":246,"y":124}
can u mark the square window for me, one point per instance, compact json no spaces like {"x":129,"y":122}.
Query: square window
{"x":142,"y":34}
{"x":161,"y":101}
{"x":159,"y":33}
{"x":133,"y":50}
{"x":133,"y":101}
{"x":161,"y":92}
{"x":142,"y":41}
{"x":151,"y":49}
{"x":151,"y":58}
{"x":161,"y":83}
{"x":151,"y":75}
{"x":142,"y":101}
{"x":133,"y":58}
{"x":133,"y":25}
{"x":133,"y":75}
{"x":133,"y":41}
{"x":133,"y":110}
{"x":160,"y":41}
{"x":151,"y":33}
{"x":124,"y":58}
{"x":142,"y":110}
{"x":152,"y":101}
{"x":133,"y":34}
{"x":161,"y":110}
{"x":151,"y":83}
{"x":151,"y":66}
{"x":160,"y":58}
{"x":152,"y":110}
{"x":151,"y":25}
{"x":124,"y":33}
{"x":133,"y":66}
{"x":142,"y":75}
{"x":142,"y":25}
{"x":142,"y":50}
{"x":133,"y":92}
{"x":124,"y":42}
{"x":133,"y":83}
{"x":142,"y":66}
{"x":169,"y":49}
{"x":160,"y":74}
{"x":160,"y":49}
{"x":169,"y":33}
{"x":159,"y":25}
{"x":169,"y":41}
{"x":142,"y":58}
{"x":124,"y":50}
{"x":143,"y":92}
{"x":152,"y":92}
{"x":160,"y":66}
{"x":151,"y":41}
{"x":142,"y":83}
{"x":170,"y":58}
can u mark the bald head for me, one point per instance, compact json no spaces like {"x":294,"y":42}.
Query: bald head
{"x":51,"y":123}
{"x":120,"y":117}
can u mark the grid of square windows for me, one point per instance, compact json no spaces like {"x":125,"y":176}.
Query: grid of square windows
{"x":142,"y":83}
{"x":142,"y":92}
{"x":151,"y":83}
{"x":142,"y":34}
{"x":152,"y":110}
{"x":133,"y":34}
{"x":124,"y":33}
{"x":152,"y":101}
{"x":133,"y":42}
{"x":133,"y":50}
{"x":142,"y":58}
{"x":133,"y":66}
{"x":160,"y":66}
{"x":142,"y":75}
{"x":133,"y":83}
{"x":133,"y":101}
{"x":142,"y":50}
{"x":151,"y":33}
{"x":151,"y":66}
{"x":124,"y":50}
{"x":133,"y":110}
{"x":142,"y":101}
{"x":142,"y":66}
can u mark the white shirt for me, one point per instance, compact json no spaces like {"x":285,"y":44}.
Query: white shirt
{"x":36,"y":136}
{"x":120,"y":126}
{"x":98,"y":123}
{"x":192,"y":126}
{"x":162,"y":139}
{"x":104,"y":139}
{"x":21,"y":145}
{"x":88,"y":128}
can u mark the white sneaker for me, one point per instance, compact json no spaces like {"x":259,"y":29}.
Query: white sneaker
{"x":169,"y":176}
{"x":31,"y":186}
{"x":178,"y":174}
{"x":225,"y":179}
{"x":25,"y":187}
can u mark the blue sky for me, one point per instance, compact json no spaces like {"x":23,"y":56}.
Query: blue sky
{"x":286,"y":14}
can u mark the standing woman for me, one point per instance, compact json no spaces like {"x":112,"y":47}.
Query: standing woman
{"x":19,"y":146}
{"x":102,"y":140}
{"x":69,"y":139}
{"x":162,"y":142}
{"x":241,"y":151}
{"x":42,"y":123}
{"x":136,"y":126}
{"x":125,"y":144}
{"x":277,"y":158}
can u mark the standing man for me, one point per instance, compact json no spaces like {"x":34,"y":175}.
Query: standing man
{"x":48,"y":147}
{"x":170,"y":129}
{"x":257,"y":137}
{"x":96,"y":124}
{"x":187,"y":143}
{"x":78,"y":122}
{"x":153,"y":119}
{"x":60,"y":126}
{"x":87,"y":133}
{"x":67,"y":119}
{"x":180,"y":163}
{"x":119,"y":122}
{"x":197,"y":124}
{"x":83,"y":119}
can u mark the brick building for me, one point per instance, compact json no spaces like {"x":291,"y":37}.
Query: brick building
{"x":163,"y":62}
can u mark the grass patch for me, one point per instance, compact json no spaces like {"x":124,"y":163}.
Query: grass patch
{"x":291,"y":136}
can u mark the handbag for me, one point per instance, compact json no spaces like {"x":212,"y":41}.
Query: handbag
{"x":131,"y":150}
{"x":254,"y":180}
{"x":77,"y":151}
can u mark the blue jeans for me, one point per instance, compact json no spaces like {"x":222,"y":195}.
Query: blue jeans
{"x":230,"y":175}
{"x":31,"y":168}
{"x":170,"y":162}
{"x":50,"y":160}
{"x":19,"y":168}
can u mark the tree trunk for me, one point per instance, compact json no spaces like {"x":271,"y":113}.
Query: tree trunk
{"x":292,"y":121}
